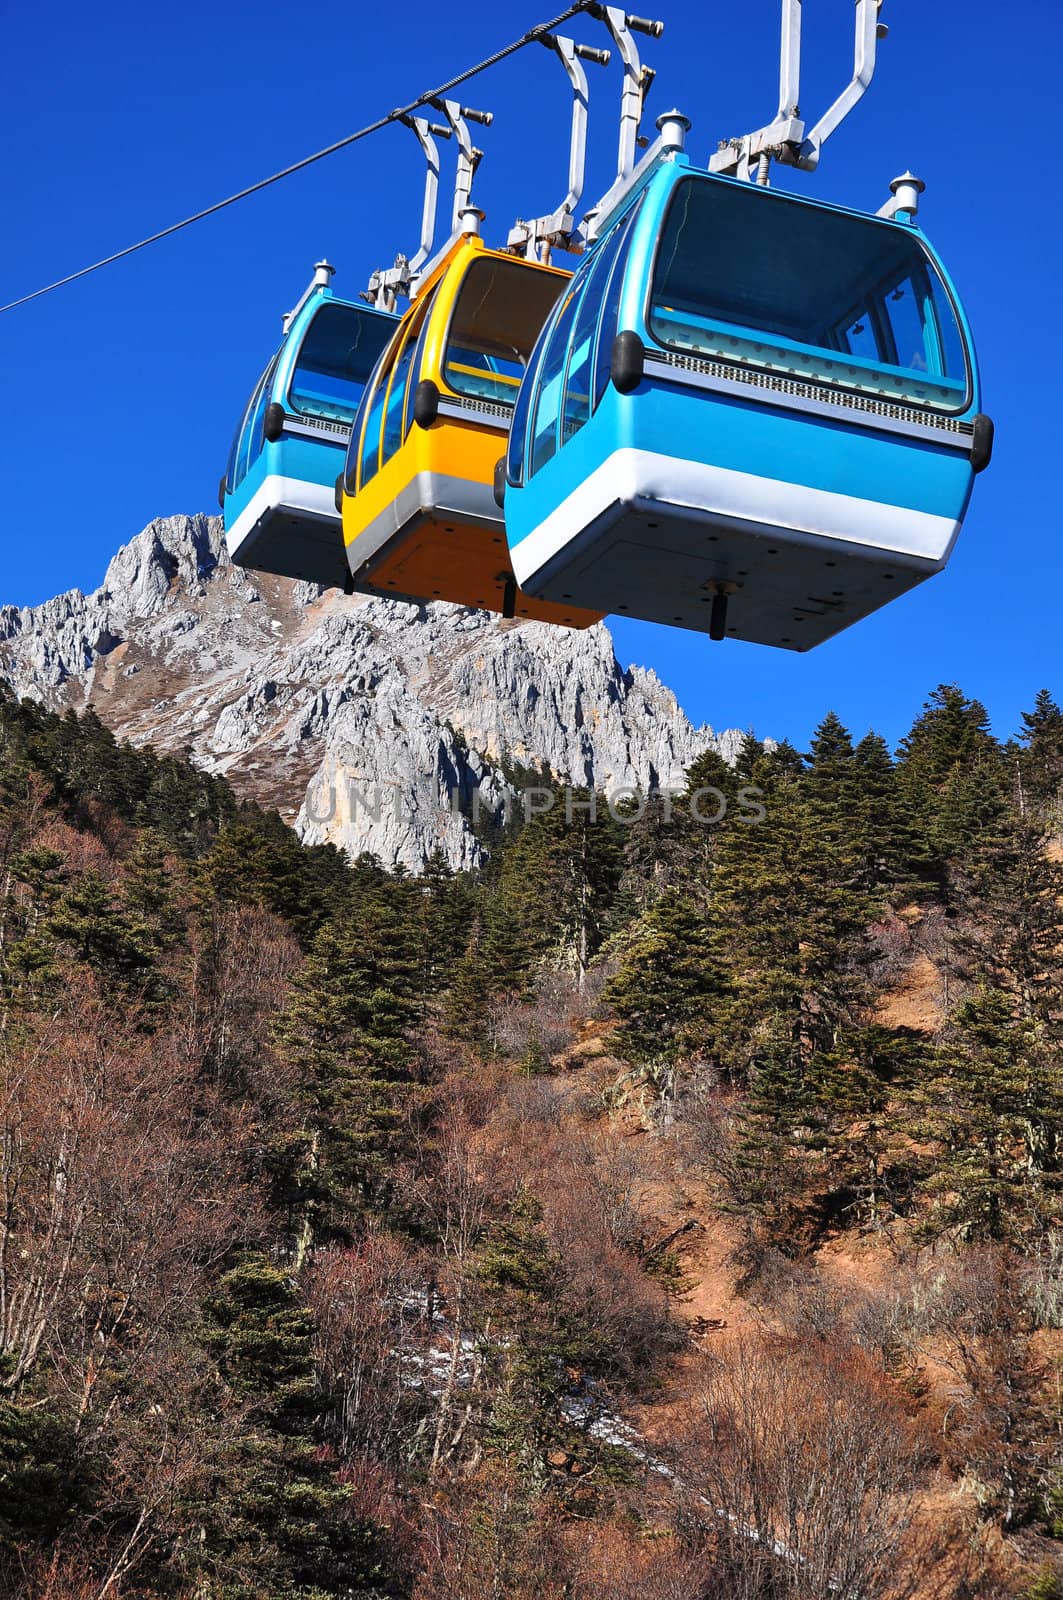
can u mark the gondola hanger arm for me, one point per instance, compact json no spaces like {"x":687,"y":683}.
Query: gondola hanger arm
{"x":868,"y":32}
{"x":385,"y":287}
{"x":387,"y":284}
{"x":622,"y":26}
{"x":465,"y":217}
{"x":469,"y":158}
{"x":536,"y":238}
{"x":786,"y":139}
{"x":637,"y":79}
{"x":427,"y":133}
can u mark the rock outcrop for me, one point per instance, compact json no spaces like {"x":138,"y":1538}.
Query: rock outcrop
{"x":365,"y":722}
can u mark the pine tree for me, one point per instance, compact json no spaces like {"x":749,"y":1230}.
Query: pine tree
{"x":856,"y":1089}
{"x":896,"y":856}
{"x":101,"y":933}
{"x":444,"y":923}
{"x":790,"y":924}
{"x":36,"y":880}
{"x":954,"y":772}
{"x":790,"y":914}
{"x":994,"y":1103}
{"x":150,"y":891}
{"x":670,"y":841}
{"x":554,"y":888}
{"x":668,"y":984}
{"x":539,"y":1338}
{"x":1012,"y":895}
{"x":276,"y":1520}
{"x":830,"y":765}
{"x":654,"y":852}
{"x":344,"y":1034}
{"x":41,"y":1482}
{"x":779,"y":1131}
{"x":151,"y":899}
{"x":465,"y":1009}
{"x":1041,"y":757}
{"x":748,"y":759}
{"x":238,"y":867}
{"x":996,"y":1100}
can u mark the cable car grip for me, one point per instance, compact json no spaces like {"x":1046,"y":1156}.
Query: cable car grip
{"x":644,"y":25}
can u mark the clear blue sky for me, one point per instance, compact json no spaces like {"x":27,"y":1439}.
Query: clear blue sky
{"x":121,"y":392}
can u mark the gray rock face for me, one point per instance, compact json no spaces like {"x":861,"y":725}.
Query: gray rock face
{"x":368,"y":723}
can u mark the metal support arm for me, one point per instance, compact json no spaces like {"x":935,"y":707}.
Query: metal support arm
{"x":868,"y":33}
{"x":427,"y":133}
{"x":469,"y":157}
{"x":637,"y":80}
{"x":536,"y":238}
{"x":388,"y":283}
{"x":785,"y":139}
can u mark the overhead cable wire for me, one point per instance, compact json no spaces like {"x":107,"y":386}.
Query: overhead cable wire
{"x":444,"y":89}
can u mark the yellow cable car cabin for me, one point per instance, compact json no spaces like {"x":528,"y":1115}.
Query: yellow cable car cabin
{"x":420,"y":520}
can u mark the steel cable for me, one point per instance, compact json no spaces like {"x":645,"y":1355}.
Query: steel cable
{"x":444,"y":89}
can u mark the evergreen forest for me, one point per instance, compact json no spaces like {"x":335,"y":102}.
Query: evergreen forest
{"x":672,"y":1209}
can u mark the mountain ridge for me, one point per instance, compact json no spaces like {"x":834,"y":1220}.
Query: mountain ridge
{"x":366,"y":723}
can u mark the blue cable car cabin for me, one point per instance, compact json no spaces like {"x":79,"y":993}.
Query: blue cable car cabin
{"x":279,"y":491}
{"x":751,"y":413}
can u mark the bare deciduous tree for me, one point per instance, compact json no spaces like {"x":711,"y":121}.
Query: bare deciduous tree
{"x":372,"y":1322}
{"x":1000,"y":1428}
{"x":800,"y":1463}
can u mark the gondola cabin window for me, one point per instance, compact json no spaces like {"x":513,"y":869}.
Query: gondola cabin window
{"x":591,"y":330}
{"x":248,"y":441}
{"x":754,"y":278}
{"x":335,"y":361}
{"x":385,"y":414}
{"x":497,"y":316}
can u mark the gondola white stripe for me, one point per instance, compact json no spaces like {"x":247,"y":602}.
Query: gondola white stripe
{"x":630,"y":475}
{"x":295,"y":493}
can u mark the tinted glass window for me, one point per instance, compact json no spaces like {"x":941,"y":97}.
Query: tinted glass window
{"x":548,"y":385}
{"x":518,"y":428}
{"x":748,"y":275}
{"x":237,"y":463}
{"x":230,"y":465}
{"x":607,"y":326}
{"x":393,"y":409}
{"x":350,"y":467}
{"x":908,"y":327}
{"x":577,"y":402}
{"x":370,"y":458}
{"x":339,"y":351}
{"x":418,"y":368}
{"x":497,"y":317}
{"x":249,"y":440}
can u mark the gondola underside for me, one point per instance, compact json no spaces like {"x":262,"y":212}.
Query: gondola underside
{"x":657,"y":538}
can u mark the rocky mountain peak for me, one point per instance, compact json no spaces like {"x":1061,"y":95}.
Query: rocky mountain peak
{"x":367,"y":723}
